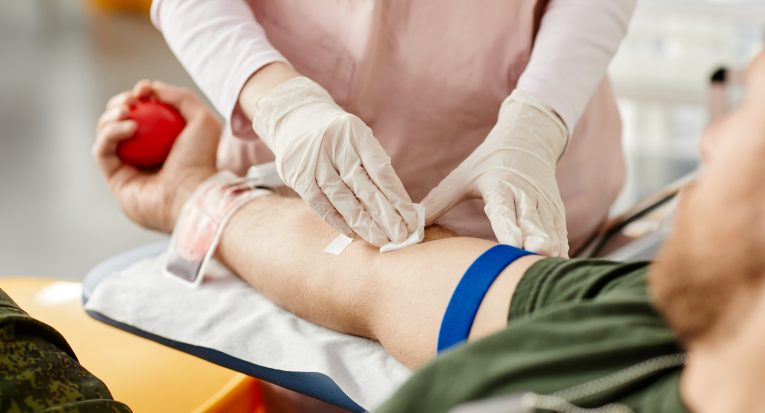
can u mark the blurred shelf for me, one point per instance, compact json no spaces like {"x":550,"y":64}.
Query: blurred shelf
{"x":649,"y":90}
{"x":743,"y":11}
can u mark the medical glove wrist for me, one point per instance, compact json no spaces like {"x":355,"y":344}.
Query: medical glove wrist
{"x":513,"y":170}
{"x":334,"y":162}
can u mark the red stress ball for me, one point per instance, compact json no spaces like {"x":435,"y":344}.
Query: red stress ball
{"x":159,"y":125}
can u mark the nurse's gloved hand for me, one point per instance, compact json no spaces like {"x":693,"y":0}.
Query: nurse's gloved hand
{"x":513,"y":170}
{"x":334,"y":162}
{"x":153,"y":199}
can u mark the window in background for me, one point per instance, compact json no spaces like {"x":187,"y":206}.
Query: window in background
{"x":661,"y":78}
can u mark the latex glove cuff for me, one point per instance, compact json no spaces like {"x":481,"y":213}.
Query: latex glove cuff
{"x":545,"y":113}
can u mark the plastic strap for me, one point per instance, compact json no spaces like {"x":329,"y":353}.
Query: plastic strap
{"x":201,"y":223}
{"x":467,"y":297}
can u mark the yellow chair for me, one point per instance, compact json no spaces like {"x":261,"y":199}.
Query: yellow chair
{"x":145,"y":375}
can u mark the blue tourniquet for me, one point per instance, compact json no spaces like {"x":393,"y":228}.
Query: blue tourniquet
{"x":467,"y":297}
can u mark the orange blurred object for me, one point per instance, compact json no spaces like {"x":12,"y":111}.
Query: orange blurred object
{"x":142,"y":6}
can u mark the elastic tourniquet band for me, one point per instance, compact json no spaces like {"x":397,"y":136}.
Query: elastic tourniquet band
{"x":463,"y":306}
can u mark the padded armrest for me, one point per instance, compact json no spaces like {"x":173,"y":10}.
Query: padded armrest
{"x":313,"y":384}
{"x":116,"y":263}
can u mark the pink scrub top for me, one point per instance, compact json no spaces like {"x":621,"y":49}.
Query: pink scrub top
{"x":428,"y":77}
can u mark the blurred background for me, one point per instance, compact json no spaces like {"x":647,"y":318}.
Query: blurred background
{"x":62,"y":59}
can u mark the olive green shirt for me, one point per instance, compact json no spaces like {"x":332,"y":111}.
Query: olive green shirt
{"x":39,"y":371}
{"x":571,"y":322}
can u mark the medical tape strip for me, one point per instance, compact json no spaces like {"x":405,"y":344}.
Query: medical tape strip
{"x":338,"y":245}
{"x":467,"y":297}
{"x":341,"y":242}
{"x":201,"y":223}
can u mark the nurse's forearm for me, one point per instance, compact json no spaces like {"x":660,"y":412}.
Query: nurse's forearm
{"x":570,"y":59}
{"x":220,"y":43}
{"x":262,"y":81}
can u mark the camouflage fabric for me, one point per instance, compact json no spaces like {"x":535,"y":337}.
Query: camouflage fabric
{"x":39,"y":371}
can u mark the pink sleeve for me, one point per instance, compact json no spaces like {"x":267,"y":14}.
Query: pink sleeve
{"x":576,"y":41}
{"x":220,"y":44}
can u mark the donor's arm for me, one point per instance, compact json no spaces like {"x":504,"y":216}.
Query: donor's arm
{"x":276,"y":244}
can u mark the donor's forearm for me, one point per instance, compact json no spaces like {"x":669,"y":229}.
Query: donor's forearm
{"x":398,"y":298}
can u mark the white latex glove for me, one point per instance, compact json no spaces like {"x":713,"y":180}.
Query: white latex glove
{"x":332,"y":160}
{"x":513,"y":170}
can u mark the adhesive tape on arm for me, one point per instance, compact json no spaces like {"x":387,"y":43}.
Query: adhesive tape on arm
{"x":338,"y":244}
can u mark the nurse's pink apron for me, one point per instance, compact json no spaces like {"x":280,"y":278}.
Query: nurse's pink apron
{"x":428,"y":76}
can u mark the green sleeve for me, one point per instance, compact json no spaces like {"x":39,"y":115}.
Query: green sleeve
{"x":570,"y":322}
{"x":40,"y":371}
{"x":556,"y":281}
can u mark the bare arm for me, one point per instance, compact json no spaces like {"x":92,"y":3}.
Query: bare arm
{"x":276,"y":244}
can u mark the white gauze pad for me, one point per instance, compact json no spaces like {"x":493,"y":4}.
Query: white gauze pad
{"x":415,"y":237}
{"x":341,"y":242}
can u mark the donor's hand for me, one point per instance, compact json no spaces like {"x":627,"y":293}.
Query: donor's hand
{"x":153,"y":199}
